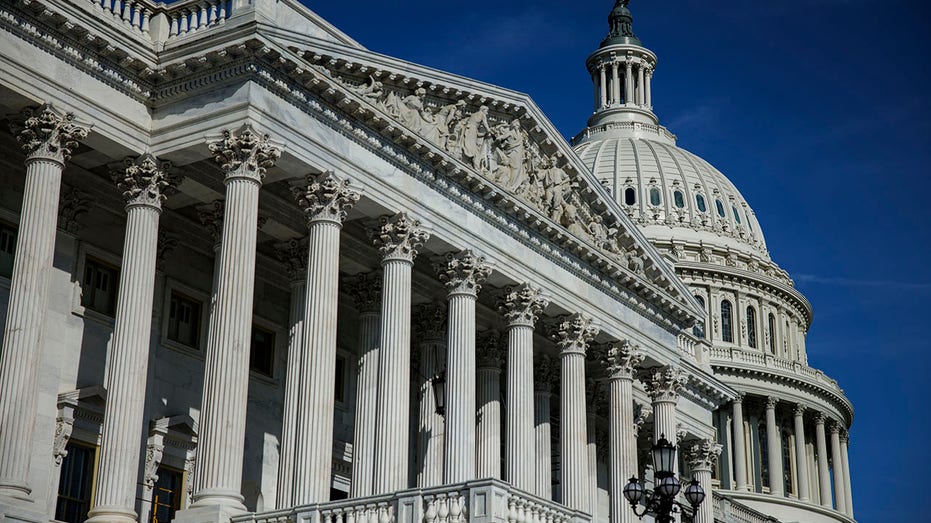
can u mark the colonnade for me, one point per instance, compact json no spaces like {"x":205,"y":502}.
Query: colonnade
{"x":623,"y":81}
{"x":815,"y":480}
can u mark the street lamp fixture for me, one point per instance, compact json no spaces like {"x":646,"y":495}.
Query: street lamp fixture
{"x":661,"y":501}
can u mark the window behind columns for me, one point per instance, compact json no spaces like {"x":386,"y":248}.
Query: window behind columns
{"x":727,"y":322}
{"x":787,"y":460}
{"x":262,"y":353}
{"x":74,"y":486}
{"x":699,"y":329}
{"x":772,"y":333}
{"x":340,"y":383}
{"x":166,"y":495}
{"x":751,"y":327}
{"x":7,"y":249}
{"x":764,"y":456}
{"x":99,"y":287}
{"x":184,"y":320}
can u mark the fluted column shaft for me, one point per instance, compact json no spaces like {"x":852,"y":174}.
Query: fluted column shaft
{"x":620,"y":362}
{"x":363,"y":448}
{"x":488,"y":425}
{"x":641,"y":99}
{"x":603,"y":78}
{"x":615,"y":85}
{"x":701,"y":458}
{"x":47,"y":139}
{"x":663,"y":386}
{"x":648,"y":90}
{"x":840,"y":480}
{"x":801,"y":457}
{"x":542,"y":432}
{"x":824,"y":476}
{"x":846,"y":463}
{"x":774,"y":449}
{"x":740,"y":452}
{"x":629,"y":83}
{"x":292,"y":389}
{"x":430,"y":424}
{"x":128,"y":357}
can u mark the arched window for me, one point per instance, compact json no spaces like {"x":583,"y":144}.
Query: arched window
{"x":786,"y":463}
{"x":654,"y":196}
{"x":727,"y":322}
{"x":630,"y":196}
{"x":720,"y":206}
{"x":679,"y":199}
{"x":764,"y":455}
{"x":772,"y":333}
{"x":751,"y":327}
{"x":736,"y":215}
{"x":700,"y":201}
{"x":699,"y":329}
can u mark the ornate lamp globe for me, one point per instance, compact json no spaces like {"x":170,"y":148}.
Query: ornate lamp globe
{"x":664,"y":457}
{"x":694,"y":494}
{"x":633,"y":492}
{"x":669,"y":486}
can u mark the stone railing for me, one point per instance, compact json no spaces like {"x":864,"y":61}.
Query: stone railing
{"x":657,"y":130}
{"x":727,"y":511}
{"x":481,"y":501}
{"x":761,"y":359}
{"x":698,"y":349}
{"x":160,"y":21}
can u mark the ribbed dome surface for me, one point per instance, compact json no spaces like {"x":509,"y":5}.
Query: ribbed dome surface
{"x":672,"y":193}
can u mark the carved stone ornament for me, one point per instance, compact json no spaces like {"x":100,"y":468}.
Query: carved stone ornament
{"x":702,"y":455}
{"x":324,"y":197}
{"x":573,"y":333}
{"x":641,"y":414}
{"x":153,"y":459}
{"x":63,"y":428}
{"x":800,"y":409}
{"x":545,"y":373}
{"x":165,"y":246}
{"x":463,"y":272}
{"x":522,"y":304}
{"x":144,"y":180}
{"x":365,"y":290}
{"x":429,"y":321}
{"x":74,"y":203}
{"x":211,"y":217}
{"x":664,"y":383}
{"x":44,"y":133}
{"x":488,"y":350}
{"x":293,"y":254}
{"x":246,"y":154}
{"x":620,"y":359}
{"x":398,"y":237}
{"x":771,"y":402}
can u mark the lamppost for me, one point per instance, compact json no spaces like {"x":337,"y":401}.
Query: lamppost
{"x":661,"y":501}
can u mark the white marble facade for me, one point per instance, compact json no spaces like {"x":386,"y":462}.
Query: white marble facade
{"x":239,"y":252}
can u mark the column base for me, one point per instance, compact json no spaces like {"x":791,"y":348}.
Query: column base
{"x":111,"y":515}
{"x":202,"y":512}
{"x":21,"y":510}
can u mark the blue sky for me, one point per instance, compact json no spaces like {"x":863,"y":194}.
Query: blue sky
{"x":819,"y":112}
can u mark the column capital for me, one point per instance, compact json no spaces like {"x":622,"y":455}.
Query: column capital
{"x":741,"y":396}
{"x":145,"y":181}
{"x":44,"y":133}
{"x":522,"y":304}
{"x":799,"y":409}
{"x":835,"y":427}
{"x":545,"y":371}
{"x":573,"y":333}
{"x":702,"y":455}
{"x":771,"y":402}
{"x":429,"y":321}
{"x":620,"y":359}
{"x":463,"y":272}
{"x":211,"y":217}
{"x":365,"y":290}
{"x":325,"y":197}
{"x":246,"y":154}
{"x":663,"y":383}
{"x":293,"y":254}
{"x":820,"y":418}
{"x":488,"y":350}
{"x":398,"y":237}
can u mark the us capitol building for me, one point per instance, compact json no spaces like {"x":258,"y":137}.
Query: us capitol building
{"x":251,"y":271}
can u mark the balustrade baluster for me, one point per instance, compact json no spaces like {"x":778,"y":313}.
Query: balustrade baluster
{"x":183,"y":21}
{"x":128,"y":11}
{"x":222,"y":16}
{"x":212,"y":12}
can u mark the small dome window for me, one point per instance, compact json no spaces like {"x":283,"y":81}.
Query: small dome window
{"x":630,"y":196}
{"x":736,"y":215}
{"x":720,"y":206}
{"x":749,"y":223}
{"x":700,"y":201}
{"x":654,"y":196}
{"x":679,"y":199}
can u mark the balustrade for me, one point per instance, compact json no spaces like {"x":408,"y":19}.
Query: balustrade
{"x":183,"y":18}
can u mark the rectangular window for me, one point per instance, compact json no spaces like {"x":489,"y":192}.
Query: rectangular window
{"x":262,"y":355}
{"x":184,"y":320}
{"x":166,"y":495}
{"x":74,"y":485}
{"x":99,"y":287}
{"x":7,"y":249}
{"x":340,"y":393}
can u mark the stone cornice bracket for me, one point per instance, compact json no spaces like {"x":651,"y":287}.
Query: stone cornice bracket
{"x":145,"y":181}
{"x":545,"y":372}
{"x":365,"y":290}
{"x":488,"y":350}
{"x":398,"y":237}
{"x":702,"y":454}
{"x":429,"y":321}
{"x":463,"y":272}
{"x":621,"y":359}
{"x":573,"y":333}
{"x":522,"y":305}
{"x":211,"y":217}
{"x":246,"y":154}
{"x":293,"y":254}
{"x":325,"y":197}
{"x":664,"y":383}
{"x":45,"y":134}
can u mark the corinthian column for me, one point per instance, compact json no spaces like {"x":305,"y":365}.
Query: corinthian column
{"x":325,"y":200}
{"x":774,"y":448}
{"x":544,"y":377}
{"x":365,"y":290}
{"x":572,"y":337}
{"x":837,"y":462}
{"x":740,"y":453}
{"x":243,"y":157}
{"x":294,"y":256}
{"x":701,"y":458}
{"x":620,"y":360}
{"x":397,"y":237}
{"x":663,"y":385}
{"x":801,"y":457}
{"x":48,"y":139}
{"x":488,"y":397}
{"x":521,"y":307}
{"x":144,"y":182}
{"x":844,"y":443}
{"x":463,"y":273}
{"x":429,"y":322}
{"x":824,"y":476}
